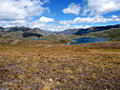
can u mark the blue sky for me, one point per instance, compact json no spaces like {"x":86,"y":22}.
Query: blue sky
{"x":58,"y":15}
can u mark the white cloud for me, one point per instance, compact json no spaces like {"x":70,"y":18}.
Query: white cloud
{"x":43,"y":23}
{"x":72,"y":9}
{"x":53,"y":27}
{"x":116,"y":18}
{"x":20,"y":12}
{"x":15,"y":23}
{"x":20,"y":9}
{"x":96,"y":19}
{"x":72,"y":24}
{"x":103,"y":6}
{"x":45,"y":19}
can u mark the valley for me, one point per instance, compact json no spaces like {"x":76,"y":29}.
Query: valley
{"x":46,"y":62}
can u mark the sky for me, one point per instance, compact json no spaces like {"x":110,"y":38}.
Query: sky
{"x":59,"y":15}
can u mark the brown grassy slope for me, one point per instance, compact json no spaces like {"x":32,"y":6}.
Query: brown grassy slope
{"x":42,"y":66}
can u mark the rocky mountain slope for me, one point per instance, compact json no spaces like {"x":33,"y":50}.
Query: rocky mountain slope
{"x":19,"y":32}
{"x":88,"y":30}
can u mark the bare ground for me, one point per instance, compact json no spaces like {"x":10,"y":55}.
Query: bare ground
{"x":41,"y":66}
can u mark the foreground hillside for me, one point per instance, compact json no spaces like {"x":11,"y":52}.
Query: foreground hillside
{"x":44,"y":65}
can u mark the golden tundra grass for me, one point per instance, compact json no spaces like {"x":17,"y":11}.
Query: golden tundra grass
{"x":44,"y":65}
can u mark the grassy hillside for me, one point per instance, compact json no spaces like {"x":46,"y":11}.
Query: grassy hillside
{"x":60,"y":38}
{"x":112,"y":34}
{"x":53,"y":38}
{"x":46,"y":65}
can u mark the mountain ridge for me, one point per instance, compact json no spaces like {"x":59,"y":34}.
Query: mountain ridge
{"x":36,"y":32}
{"x":81,"y":31}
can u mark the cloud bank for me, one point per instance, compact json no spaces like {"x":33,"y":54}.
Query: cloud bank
{"x":95,"y":19}
{"x":102,"y":6}
{"x":20,"y":9}
{"x":34,"y":14}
